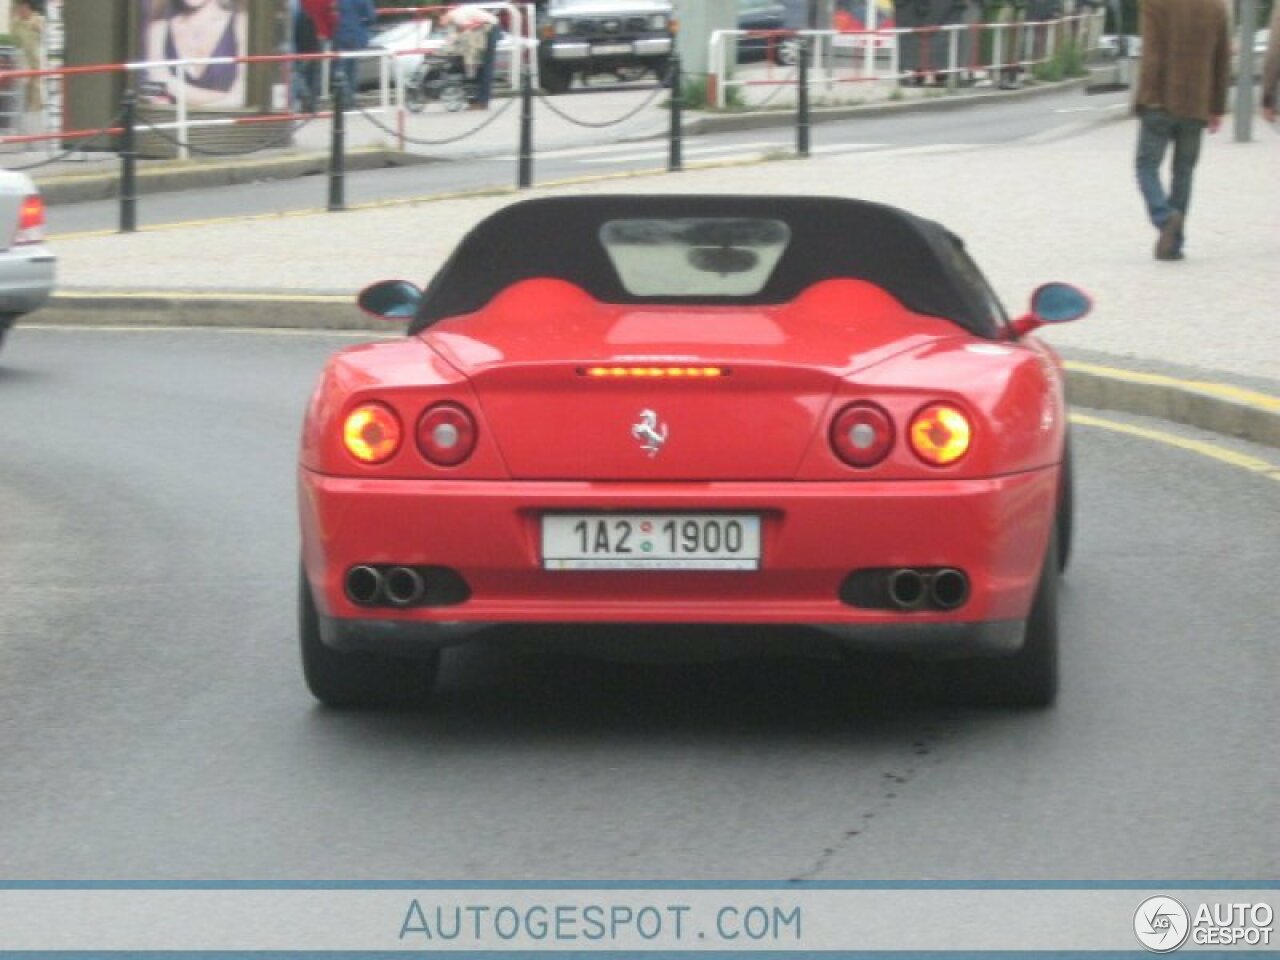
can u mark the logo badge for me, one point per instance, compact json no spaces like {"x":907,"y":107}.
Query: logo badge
{"x":651,"y":434}
{"x":1161,"y":924}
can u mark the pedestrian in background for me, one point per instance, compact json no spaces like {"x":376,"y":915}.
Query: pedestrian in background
{"x":355,"y":17}
{"x":1182,"y":89}
{"x":306,"y":73}
{"x":324,"y":19}
{"x":27,"y":26}
{"x":1271,"y":67}
{"x":476,"y":33}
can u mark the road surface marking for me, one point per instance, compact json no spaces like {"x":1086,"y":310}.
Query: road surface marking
{"x":1213,"y":451}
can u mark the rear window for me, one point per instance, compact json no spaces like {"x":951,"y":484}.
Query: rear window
{"x":695,"y":256}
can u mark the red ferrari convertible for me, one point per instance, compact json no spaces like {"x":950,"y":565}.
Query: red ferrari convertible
{"x":800,"y":412}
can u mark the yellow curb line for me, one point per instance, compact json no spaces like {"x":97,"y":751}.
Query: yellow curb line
{"x":471,"y":194}
{"x":1238,"y":394}
{"x":1222,"y":454}
{"x":205,"y":297}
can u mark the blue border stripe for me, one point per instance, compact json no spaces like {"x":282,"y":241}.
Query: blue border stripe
{"x":722,"y":955}
{"x":570,"y":885}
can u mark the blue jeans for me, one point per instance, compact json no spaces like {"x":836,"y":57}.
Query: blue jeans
{"x":1157,"y":130}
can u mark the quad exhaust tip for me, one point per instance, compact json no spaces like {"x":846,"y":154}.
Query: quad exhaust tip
{"x":908,"y":589}
{"x":364,"y":585}
{"x":943,"y":589}
{"x":948,"y":588}
{"x":404,"y":586}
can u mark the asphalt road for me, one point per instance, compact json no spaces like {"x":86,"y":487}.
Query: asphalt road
{"x":954,"y":129}
{"x":154,"y":723}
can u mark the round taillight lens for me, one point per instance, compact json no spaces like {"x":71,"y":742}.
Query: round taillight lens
{"x":940,"y":434}
{"x":862,"y":434}
{"x":446,"y":434}
{"x":371,"y":433}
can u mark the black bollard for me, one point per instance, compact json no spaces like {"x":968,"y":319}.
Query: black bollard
{"x":129,"y":164}
{"x":338,"y":142}
{"x":675,"y":160}
{"x":524,"y":173}
{"x":802,"y":101}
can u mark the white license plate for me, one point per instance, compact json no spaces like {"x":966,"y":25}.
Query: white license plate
{"x":650,"y":541}
{"x":610,"y":49}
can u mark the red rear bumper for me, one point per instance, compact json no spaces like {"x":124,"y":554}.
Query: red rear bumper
{"x":813,"y":536}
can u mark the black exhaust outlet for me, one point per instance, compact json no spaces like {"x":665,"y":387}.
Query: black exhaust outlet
{"x":949,"y":588}
{"x":404,"y":586}
{"x":364,"y":585}
{"x":907,"y":589}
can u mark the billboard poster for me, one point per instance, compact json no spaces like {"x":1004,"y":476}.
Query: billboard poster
{"x":194,"y":31}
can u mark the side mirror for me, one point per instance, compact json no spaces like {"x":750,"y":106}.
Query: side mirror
{"x":391,"y":300}
{"x":1053,"y":303}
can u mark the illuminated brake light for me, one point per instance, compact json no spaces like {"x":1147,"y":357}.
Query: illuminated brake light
{"x":862,"y":434}
{"x":446,"y":434}
{"x":30,"y":220}
{"x":371,"y":433}
{"x":940,"y":434}
{"x":654,"y":373}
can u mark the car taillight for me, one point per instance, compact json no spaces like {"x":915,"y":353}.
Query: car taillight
{"x":372,"y":433}
{"x":940,"y":434}
{"x":446,"y":434}
{"x":30,"y":220}
{"x":862,"y":434}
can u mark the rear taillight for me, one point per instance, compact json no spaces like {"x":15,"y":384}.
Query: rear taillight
{"x":940,"y":434}
{"x":372,"y":433}
{"x":446,"y":434}
{"x":30,"y":220}
{"x":862,"y":434}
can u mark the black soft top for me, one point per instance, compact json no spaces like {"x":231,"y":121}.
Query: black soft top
{"x":917,"y":261}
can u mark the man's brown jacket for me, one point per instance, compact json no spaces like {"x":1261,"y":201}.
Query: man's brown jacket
{"x":1186,"y":57}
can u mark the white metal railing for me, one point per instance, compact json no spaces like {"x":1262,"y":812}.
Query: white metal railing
{"x":875,"y":55}
{"x":391,"y":82}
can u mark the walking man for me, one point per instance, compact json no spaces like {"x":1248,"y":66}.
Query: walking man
{"x":355,"y":17}
{"x":1182,"y":89}
{"x":1271,"y":68}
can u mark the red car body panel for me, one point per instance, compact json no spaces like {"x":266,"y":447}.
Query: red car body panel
{"x":754,"y":440}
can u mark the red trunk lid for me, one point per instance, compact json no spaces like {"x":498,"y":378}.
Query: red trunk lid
{"x":531,"y":366}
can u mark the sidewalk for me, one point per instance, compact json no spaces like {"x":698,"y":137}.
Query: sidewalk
{"x":1209,"y":318}
{"x":606,"y":113}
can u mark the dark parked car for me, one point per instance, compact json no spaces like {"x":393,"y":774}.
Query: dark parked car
{"x":583,"y":38}
{"x":768,"y":17}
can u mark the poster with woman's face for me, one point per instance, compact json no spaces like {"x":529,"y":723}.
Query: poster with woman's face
{"x":195,"y":32}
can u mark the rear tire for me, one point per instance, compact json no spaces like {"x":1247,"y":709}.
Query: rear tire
{"x":339,"y":679}
{"x":555,"y":79}
{"x":415,"y":99}
{"x":1066,"y":507}
{"x":453,"y":96}
{"x":1028,"y":678}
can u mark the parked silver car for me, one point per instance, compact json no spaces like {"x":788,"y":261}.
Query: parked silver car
{"x":26,"y":264}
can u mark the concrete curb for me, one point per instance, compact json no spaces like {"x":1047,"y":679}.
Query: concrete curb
{"x":198,"y":174}
{"x":1214,"y":407}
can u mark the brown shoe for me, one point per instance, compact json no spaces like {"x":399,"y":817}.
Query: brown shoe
{"x":1170,"y":235}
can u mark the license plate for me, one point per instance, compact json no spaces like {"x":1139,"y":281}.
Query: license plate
{"x":610,"y":49}
{"x":650,"y":541}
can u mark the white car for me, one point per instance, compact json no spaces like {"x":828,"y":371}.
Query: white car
{"x":1127,"y":45}
{"x":26,"y":264}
